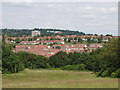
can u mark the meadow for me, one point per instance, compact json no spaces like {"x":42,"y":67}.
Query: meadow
{"x":56,"y":79}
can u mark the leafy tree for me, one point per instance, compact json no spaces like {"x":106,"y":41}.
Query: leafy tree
{"x":75,"y":38}
{"x":59,"y":59}
{"x":10,"y":61}
{"x":30,"y":39}
{"x":33,"y":61}
{"x":17,"y":40}
{"x":80,"y":40}
{"x":100,"y":40}
{"x":58,"y":47}
{"x":65,"y":39}
{"x":10,"y":39}
{"x":107,"y":58}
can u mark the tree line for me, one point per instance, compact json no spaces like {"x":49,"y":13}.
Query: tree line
{"x":103,"y":61}
{"x":27,"y":32}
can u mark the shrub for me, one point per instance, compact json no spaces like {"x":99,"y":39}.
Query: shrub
{"x":71,"y":67}
{"x":113,"y":74}
{"x":27,"y":69}
{"x":74,"y":67}
{"x":96,"y":73}
{"x":104,"y":73}
{"x":110,"y":70}
{"x":82,"y":67}
{"x":118,"y":73}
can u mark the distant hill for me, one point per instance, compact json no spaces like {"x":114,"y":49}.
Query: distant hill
{"x":27,"y":32}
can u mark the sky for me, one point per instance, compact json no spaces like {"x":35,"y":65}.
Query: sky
{"x":88,"y":17}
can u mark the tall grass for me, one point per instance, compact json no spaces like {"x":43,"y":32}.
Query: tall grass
{"x":56,"y":79}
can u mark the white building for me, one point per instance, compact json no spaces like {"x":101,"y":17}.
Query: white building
{"x":35,"y":33}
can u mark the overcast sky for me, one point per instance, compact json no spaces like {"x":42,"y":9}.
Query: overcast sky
{"x":94,"y":17}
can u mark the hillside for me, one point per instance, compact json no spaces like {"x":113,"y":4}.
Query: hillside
{"x":26,"y":32}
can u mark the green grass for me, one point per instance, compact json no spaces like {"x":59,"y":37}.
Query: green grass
{"x":56,"y":79}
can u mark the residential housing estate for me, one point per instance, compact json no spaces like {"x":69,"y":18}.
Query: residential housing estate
{"x":49,"y":45}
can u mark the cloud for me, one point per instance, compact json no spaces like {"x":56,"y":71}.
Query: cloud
{"x":17,"y":0}
{"x":54,"y":6}
{"x":0,"y":24}
{"x":20,"y":4}
{"x":89,"y":16}
{"x":93,"y":24}
{"x":108,"y":10}
{"x":48,"y":24}
{"x":60,"y":0}
{"x":89,"y":8}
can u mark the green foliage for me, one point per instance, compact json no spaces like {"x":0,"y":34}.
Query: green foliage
{"x":10,"y":39}
{"x":33,"y":61}
{"x":17,"y":40}
{"x":113,"y":75}
{"x":71,"y":67}
{"x":80,"y":40}
{"x":82,"y":67}
{"x":104,"y":73}
{"x":118,"y":73}
{"x":13,"y":63}
{"x":58,"y":47}
{"x":106,"y":59}
{"x":59,"y":59}
{"x":27,"y":32}
{"x":103,"y":61}
{"x":10,"y":61}
{"x":74,"y":67}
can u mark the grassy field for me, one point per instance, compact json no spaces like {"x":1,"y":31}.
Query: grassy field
{"x":56,"y":79}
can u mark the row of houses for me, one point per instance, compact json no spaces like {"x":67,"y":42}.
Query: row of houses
{"x":43,"y":42}
{"x":46,"y":39}
{"x":48,"y":51}
{"x":65,"y":36}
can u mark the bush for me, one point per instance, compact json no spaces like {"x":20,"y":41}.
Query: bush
{"x":74,"y":67}
{"x":82,"y":67}
{"x":96,"y":73}
{"x":113,"y":75}
{"x":71,"y":67}
{"x":104,"y":73}
{"x":27,"y":69}
{"x":118,"y":73}
{"x":110,"y":70}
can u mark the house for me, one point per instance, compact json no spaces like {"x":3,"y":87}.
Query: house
{"x":94,"y":46}
{"x":97,"y":44}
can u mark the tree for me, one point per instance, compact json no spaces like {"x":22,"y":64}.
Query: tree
{"x":10,"y":61}
{"x":59,"y":59}
{"x":65,"y":39}
{"x":107,"y":58}
{"x":69,"y":39}
{"x":17,"y":40}
{"x":108,"y":35}
{"x":80,"y":40}
{"x":100,"y":40}
{"x":10,"y":39}
{"x":88,"y":39}
{"x":33,"y":61}
{"x":75,"y":38}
